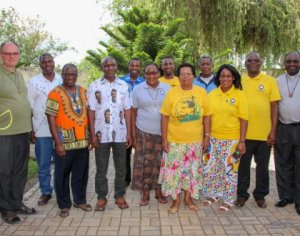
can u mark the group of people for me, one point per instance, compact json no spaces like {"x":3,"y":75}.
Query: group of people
{"x":192,"y":133}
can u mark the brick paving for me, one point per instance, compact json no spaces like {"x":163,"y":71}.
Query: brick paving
{"x":154,"y":219}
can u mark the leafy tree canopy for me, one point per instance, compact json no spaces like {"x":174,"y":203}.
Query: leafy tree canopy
{"x":143,"y":35}
{"x":271,"y":27}
{"x":30,"y":34}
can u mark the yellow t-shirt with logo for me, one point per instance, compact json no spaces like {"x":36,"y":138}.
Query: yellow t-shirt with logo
{"x":172,"y":82}
{"x":227,"y":110}
{"x":260,"y":92}
{"x":185,"y":109}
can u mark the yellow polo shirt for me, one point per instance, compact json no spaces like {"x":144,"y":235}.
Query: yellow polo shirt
{"x":260,"y":92}
{"x":227,"y":109}
{"x":172,"y":82}
{"x":185,"y":109}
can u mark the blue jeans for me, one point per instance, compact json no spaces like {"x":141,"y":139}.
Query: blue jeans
{"x":44,"y":152}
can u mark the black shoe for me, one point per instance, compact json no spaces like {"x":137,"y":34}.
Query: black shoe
{"x":283,"y":202}
{"x":297,"y":209}
{"x":261,"y":203}
{"x":43,"y":200}
{"x":24,"y":210}
{"x":240,"y":201}
{"x":10,"y":217}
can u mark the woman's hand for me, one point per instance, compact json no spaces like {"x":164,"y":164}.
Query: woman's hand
{"x":242,"y":148}
{"x":206,"y":143}
{"x":165,"y":145}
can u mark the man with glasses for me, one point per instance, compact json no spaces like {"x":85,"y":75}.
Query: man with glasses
{"x":287,"y":147}
{"x":38,"y":89}
{"x":15,"y":124}
{"x":262,"y":96}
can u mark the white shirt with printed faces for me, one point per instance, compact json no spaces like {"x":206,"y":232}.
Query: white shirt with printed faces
{"x":38,"y":90}
{"x":109,"y":101}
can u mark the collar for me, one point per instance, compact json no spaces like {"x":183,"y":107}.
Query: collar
{"x":247,"y":77}
{"x":211,"y":79}
{"x":294,"y":76}
{"x":116,"y":81}
{"x":228,"y":93}
{"x":7,"y":71}
{"x":146,"y":86}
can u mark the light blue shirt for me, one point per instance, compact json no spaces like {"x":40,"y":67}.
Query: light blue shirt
{"x":148,"y":101}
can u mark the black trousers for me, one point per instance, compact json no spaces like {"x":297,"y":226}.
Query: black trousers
{"x":128,"y":166}
{"x":261,"y":152}
{"x":75,"y":162}
{"x":14,"y":156}
{"x":287,"y":162}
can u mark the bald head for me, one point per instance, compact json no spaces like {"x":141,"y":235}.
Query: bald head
{"x":253,"y":63}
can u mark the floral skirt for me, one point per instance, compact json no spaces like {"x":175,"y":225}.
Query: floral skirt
{"x":221,"y":170}
{"x":181,"y":168}
{"x":147,"y":161}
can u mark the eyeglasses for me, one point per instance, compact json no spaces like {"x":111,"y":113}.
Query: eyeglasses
{"x":253,"y":60}
{"x":292,"y":61}
{"x":67,"y":75}
{"x":186,"y":75}
{"x":10,"y":54}
{"x":151,"y":73}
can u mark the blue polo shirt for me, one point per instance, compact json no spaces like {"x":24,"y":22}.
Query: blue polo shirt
{"x":208,"y":87}
{"x":130,"y":83}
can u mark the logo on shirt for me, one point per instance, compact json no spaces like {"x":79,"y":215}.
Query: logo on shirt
{"x":232,"y":101}
{"x":261,"y":87}
{"x":187,"y":110}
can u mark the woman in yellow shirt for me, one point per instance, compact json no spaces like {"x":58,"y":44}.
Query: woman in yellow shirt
{"x":227,"y":142}
{"x":185,"y":121}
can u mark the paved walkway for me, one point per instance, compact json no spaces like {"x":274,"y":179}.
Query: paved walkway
{"x":154,"y":218}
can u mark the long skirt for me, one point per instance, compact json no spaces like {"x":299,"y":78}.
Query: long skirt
{"x":221,"y":170}
{"x":147,"y":161}
{"x":181,"y":168}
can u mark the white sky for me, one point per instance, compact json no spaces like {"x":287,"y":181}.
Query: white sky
{"x":76,"y":22}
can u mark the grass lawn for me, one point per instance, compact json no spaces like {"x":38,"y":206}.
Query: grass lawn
{"x":32,"y":168}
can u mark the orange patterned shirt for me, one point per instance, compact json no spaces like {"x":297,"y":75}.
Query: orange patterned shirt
{"x":70,"y":112}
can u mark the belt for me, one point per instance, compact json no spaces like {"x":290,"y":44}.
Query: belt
{"x":292,"y":124}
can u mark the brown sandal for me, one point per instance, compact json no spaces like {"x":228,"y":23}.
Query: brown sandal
{"x":84,"y":207}
{"x":159,"y":196}
{"x":121,"y":203}
{"x":100,"y":205}
{"x":64,"y":212}
{"x":145,"y":198}
{"x":189,"y":202}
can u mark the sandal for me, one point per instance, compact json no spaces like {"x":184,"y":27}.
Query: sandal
{"x":159,"y":196}
{"x":10,"y":218}
{"x":225,"y":207}
{"x":192,"y":206}
{"x":84,"y":206}
{"x":188,"y":201}
{"x":121,"y":203}
{"x":100,"y":205}
{"x":64,"y":212}
{"x":175,"y":205}
{"x":145,"y":198}
{"x":210,"y":200}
